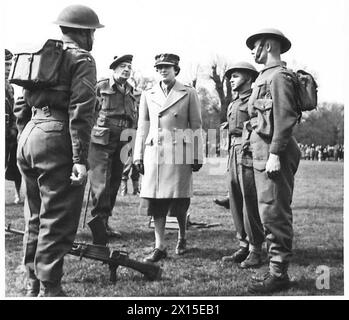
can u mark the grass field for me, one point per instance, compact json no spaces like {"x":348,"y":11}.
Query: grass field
{"x":318,"y":241}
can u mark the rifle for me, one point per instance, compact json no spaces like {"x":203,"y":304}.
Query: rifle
{"x":113,"y":258}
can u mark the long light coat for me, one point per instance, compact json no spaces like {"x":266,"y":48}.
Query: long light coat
{"x":165,"y":142}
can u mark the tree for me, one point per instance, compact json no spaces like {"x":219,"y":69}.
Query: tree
{"x":324,"y":126}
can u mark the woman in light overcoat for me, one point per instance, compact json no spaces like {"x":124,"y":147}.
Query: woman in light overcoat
{"x":168,"y":148}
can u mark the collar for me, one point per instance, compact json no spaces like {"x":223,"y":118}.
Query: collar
{"x":168,"y":87}
{"x":69,"y":41}
{"x":243,"y":95}
{"x":271,"y":66}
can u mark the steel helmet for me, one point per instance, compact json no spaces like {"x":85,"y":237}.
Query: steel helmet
{"x":242,"y":65}
{"x":78,"y":16}
{"x":269,"y":33}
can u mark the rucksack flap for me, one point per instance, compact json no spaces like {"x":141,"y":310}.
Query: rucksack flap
{"x":307,"y":90}
{"x":40,"y":69}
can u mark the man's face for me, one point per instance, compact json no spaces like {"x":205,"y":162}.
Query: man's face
{"x":167,"y":72}
{"x":259,"y":52}
{"x":237,"y":79}
{"x":7,"y":68}
{"x":123,"y":71}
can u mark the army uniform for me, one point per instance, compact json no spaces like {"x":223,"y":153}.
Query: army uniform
{"x":12,"y":171}
{"x":54,"y":126}
{"x":273,"y":112}
{"x":117,"y":112}
{"x":242,"y":191}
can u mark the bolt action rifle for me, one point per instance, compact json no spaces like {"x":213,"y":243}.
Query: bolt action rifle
{"x":100,"y":251}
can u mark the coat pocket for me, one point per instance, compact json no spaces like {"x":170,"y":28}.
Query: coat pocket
{"x":264,"y":124}
{"x":100,"y":135}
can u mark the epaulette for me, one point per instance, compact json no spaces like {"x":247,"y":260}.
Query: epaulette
{"x":103,"y":83}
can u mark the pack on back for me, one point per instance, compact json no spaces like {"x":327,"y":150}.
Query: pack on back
{"x":306,"y":88}
{"x":40,"y":69}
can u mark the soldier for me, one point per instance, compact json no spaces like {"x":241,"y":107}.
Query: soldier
{"x":168,"y":114}
{"x":242,"y":191}
{"x":117,"y":111}
{"x":12,"y":172}
{"x":55,"y":127}
{"x":276,"y":155}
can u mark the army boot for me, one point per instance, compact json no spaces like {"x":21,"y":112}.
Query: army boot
{"x":51,"y":289}
{"x":123,"y":187}
{"x":223,"y":202}
{"x":135,"y":185}
{"x":253,"y":260}
{"x":33,"y":285}
{"x":238,"y":256}
{"x":110,"y":231}
{"x":270,"y":283}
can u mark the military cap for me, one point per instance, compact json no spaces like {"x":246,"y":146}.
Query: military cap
{"x":167,"y":59}
{"x":8,"y":55}
{"x":117,"y":60}
{"x":269,"y":33}
{"x":244,"y":66}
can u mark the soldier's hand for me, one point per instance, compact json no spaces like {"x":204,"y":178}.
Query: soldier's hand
{"x":79,"y":174}
{"x":196,"y":166}
{"x":273,"y":166}
{"x":140,"y":166}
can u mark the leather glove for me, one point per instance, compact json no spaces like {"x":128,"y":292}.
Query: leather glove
{"x":140,"y":166}
{"x":196,"y":166}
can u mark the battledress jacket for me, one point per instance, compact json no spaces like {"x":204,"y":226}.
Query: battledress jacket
{"x":164,"y":141}
{"x":273,"y":112}
{"x":78,"y":73}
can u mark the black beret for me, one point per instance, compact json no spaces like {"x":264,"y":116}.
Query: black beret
{"x":117,"y":60}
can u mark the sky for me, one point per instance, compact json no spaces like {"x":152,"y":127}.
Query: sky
{"x":198,"y":31}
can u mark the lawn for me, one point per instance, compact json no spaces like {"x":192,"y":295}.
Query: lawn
{"x":318,"y":244}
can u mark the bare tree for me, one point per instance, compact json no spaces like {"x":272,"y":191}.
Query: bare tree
{"x":222,"y":85}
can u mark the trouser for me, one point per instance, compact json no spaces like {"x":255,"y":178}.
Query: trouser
{"x":130,"y":167}
{"x":274,"y":203}
{"x":243,"y":200}
{"x":52,"y":205}
{"x":105,"y":173}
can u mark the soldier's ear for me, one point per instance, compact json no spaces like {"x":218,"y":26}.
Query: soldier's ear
{"x":268,"y":45}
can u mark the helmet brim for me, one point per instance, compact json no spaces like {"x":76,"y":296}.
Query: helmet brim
{"x":285,"y":43}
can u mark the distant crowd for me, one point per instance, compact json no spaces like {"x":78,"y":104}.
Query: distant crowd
{"x":322,"y":152}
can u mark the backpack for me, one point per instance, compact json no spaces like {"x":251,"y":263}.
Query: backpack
{"x":306,"y":88}
{"x":38,"y":70}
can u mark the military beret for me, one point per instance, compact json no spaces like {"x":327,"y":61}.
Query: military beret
{"x":243,"y":66}
{"x":8,"y":55}
{"x":117,"y":60}
{"x":269,"y":33}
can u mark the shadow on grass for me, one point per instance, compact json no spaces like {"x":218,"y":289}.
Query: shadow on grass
{"x":326,"y":208}
{"x":316,"y":256}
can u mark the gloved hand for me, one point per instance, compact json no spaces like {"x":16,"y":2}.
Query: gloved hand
{"x":196,"y":166}
{"x":140,"y":166}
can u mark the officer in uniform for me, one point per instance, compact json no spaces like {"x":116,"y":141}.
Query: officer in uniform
{"x":12,"y":172}
{"x":166,"y":153}
{"x":242,"y":191}
{"x":276,"y":155}
{"x":117,"y":112}
{"x":55,"y":127}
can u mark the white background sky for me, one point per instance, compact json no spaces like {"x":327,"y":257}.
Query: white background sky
{"x":197,"y":31}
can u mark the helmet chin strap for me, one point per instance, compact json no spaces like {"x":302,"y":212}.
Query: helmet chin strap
{"x":260,"y":48}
